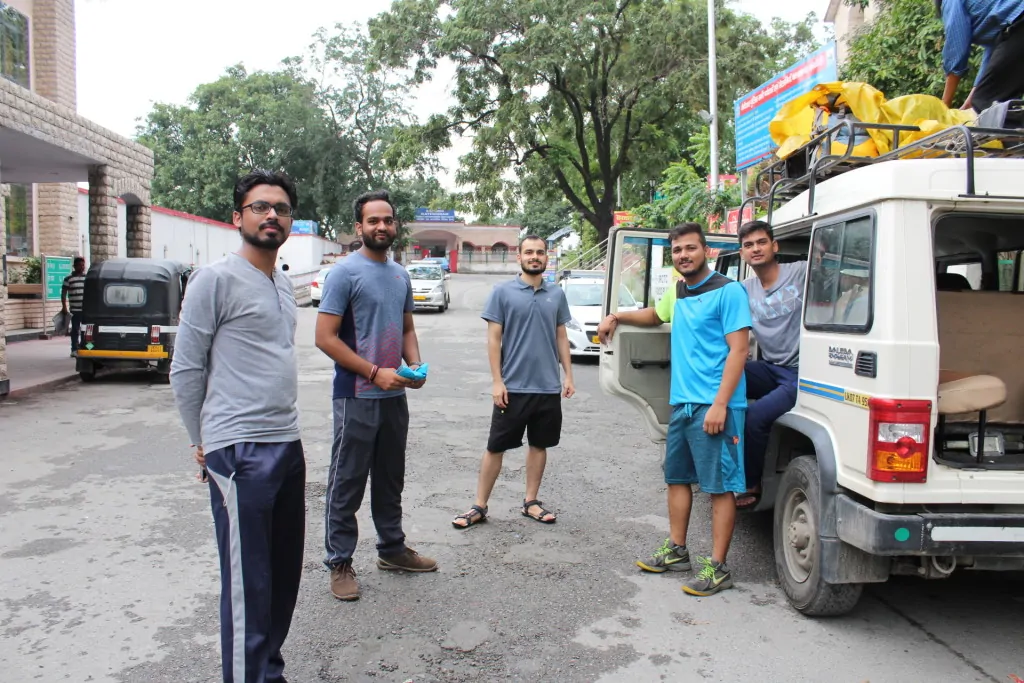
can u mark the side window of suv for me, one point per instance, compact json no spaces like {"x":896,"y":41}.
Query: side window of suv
{"x":839,"y":288}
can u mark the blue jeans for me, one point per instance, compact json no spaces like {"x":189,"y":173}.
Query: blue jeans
{"x":76,"y":330}
{"x":774,"y":388}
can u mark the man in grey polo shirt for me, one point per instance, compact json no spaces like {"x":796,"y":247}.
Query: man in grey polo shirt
{"x":526,"y":341}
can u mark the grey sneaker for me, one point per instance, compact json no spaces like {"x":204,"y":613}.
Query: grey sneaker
{"x":712,"y":578}
{"x":668,"y":558}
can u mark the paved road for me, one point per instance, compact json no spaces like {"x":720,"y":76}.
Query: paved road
{"x":108,"y":565}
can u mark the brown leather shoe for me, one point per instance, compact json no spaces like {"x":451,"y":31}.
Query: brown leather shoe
{"x":407,"y":561}
{"x":343,"y":582}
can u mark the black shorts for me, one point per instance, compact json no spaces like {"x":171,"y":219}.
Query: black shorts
{"x":538,"y":415}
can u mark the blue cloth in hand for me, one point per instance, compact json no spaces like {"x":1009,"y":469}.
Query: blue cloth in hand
{"x":419,"y":374}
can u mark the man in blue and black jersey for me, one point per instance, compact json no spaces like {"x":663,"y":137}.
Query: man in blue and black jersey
{"x":710,"y":318}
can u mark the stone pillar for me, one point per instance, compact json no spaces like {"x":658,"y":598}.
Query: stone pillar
{"x":102,"y":215}
{"x":139,"y":231}
{"x":58,"y":219}
{"x":53,"y":41}
{"x":5,"y":382}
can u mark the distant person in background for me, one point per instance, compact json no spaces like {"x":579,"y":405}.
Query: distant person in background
{"x":72,"y":295}
{"x":997,"y":26}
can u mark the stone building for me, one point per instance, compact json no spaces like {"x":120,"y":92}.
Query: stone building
{"x":846,"y":20}
{"x":46,"y":148}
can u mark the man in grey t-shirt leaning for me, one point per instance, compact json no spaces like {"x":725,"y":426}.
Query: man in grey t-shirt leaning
{"x":235,"y":380}
{"x":526,"y":342}
{"x":776,"y":295}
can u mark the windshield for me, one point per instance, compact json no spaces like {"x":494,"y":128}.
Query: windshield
{"x":592,"y":294}
{"x":424,"y":272}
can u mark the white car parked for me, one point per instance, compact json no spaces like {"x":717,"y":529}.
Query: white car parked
{"x":585,"y":297}
{"x":429,"y":285}
{"x":316,"y":289}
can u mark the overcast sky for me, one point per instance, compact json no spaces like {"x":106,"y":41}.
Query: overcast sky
{"x":132,"y":53}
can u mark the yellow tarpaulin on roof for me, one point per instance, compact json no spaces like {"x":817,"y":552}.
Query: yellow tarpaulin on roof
{"x":795,"y":123}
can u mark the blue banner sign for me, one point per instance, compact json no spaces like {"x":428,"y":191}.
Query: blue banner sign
{"x":435,"y":215}
{"x":755,"y":110}
{"x":305,"y":228}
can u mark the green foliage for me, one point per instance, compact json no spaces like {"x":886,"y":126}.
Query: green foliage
{"x":686,"y":197}
{"x":581,"y":94}
{"x":900,"y":52}
{"x":33,"y":274}
{"x":330,"y":119}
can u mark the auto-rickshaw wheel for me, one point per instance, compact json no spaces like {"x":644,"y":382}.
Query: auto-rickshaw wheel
{"x":88,"y":375}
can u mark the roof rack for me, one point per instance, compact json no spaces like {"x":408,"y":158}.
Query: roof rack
{"x":814,"y":162}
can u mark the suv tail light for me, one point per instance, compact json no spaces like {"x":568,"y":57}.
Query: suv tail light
{"x":898,"y":450}
{"x":88,"y":332}
{"x":315,"y":285}
{"x":154,"y":334}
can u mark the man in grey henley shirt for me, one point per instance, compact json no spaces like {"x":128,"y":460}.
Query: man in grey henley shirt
{"x":235,"y":380}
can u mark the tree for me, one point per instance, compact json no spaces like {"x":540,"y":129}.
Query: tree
{"x":584,"y":93}
{"x":365,"y":105}
{"x":328,"y":119}
{"x":237,"y":123}
{"x":900,"y":52}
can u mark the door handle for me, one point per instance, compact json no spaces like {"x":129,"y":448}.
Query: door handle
{"x":638,"y":364}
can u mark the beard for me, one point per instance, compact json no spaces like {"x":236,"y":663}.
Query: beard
{"x":266,"y":241}
{"x":378,"y":244}
{"x":691,"y":268}
{"x":534,"y":269}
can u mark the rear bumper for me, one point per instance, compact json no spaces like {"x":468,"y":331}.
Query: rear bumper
{"x":125,"y":355}
{"x":929,"y":534}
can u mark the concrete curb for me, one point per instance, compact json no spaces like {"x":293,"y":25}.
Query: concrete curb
{"x":39,"y":388}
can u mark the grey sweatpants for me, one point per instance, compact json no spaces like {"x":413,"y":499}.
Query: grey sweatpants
{"x":369,"y":440}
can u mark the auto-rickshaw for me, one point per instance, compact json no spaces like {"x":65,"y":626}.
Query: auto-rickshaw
{"x":130,"y":315}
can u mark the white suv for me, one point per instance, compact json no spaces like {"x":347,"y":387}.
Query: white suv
{"x":904,"y":453}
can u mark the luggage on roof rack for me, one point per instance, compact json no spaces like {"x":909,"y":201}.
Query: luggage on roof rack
{"x":785,"y":179}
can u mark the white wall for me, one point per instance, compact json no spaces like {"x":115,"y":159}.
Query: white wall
{"x":198,"y":241}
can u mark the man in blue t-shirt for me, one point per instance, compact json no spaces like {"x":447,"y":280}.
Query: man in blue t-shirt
{"x":526,"y":342}
{"x":365,"y":326}
{"x":710,"y":319}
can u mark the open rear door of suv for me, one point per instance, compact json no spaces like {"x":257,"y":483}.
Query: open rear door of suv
{"x":635,"y":366}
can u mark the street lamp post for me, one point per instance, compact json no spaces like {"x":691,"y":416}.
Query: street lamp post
{"x":713,"y":92}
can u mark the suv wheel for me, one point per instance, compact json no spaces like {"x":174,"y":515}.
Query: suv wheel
{"x":798,"y":548}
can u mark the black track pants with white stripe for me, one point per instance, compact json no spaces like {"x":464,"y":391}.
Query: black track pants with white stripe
{"x":258,"y":496}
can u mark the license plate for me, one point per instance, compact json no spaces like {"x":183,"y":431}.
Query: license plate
{"x":595,"y":339}
{"x":155,"y":348}
{"x":419,"y":298}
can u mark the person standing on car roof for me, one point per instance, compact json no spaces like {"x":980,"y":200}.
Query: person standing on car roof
{"x":235,"y":381}
{"x":776,"y":295}
{"x":996,"y":25}
{"x":526,"y":342}
{"x":365,"y":326}
{"x":710,"y":320}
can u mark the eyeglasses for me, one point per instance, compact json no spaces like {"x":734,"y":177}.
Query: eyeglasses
{"x":261,"y":208}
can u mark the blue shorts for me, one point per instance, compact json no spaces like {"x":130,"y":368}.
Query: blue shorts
{"x":692,"y":456}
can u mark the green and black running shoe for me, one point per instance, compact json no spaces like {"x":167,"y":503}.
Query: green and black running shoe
{"x":712,"y":578}
{"x":668,"y":558}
